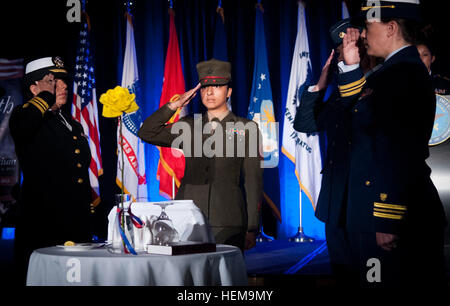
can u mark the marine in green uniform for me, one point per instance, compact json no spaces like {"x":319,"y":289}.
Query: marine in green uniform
{"x":223,"y":174}
{"x":54,"y":157}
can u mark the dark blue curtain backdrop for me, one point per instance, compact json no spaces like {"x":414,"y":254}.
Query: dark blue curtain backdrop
{"x":40,"y":28}
{"x":196,"y":25}
{"x":195,"y":22}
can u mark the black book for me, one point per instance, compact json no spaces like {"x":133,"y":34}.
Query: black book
{"x":181,"y":248}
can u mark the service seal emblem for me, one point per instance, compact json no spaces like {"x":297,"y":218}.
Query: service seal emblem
{"x":441,"y":126}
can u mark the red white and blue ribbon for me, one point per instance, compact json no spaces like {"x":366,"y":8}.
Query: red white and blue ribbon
{"x":137,"y":222}
{"x":135,"y":219}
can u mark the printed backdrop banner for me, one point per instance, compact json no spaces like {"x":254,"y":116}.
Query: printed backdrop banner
{"x":11,"y":72}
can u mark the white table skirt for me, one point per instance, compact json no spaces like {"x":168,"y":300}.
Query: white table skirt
{"x":55,"y":266}
{"x":187,"y":219}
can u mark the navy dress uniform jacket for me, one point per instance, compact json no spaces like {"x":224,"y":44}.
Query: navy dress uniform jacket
{"x":55,"y":195}
{"x":386,"y":122}
{"x":228,"y":190}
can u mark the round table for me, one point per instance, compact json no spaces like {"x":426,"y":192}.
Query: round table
{"x":56,"y":266}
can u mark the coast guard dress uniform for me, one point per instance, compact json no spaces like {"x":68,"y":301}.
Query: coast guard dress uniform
{"x":54,"y":156}
{"x":389,"y":186}
{"x":388,"y":118}
{"x":227,"y":189}
{"x":333,"y":116}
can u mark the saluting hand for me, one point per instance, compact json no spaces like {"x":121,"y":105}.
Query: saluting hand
{"x":323,"y":80}
{"x":185,"y":98}
{"x":350,"y":47}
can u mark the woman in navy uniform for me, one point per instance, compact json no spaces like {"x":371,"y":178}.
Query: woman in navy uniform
{"x":394,"y":219}
{"x":227,"y":189}
{"x":54,"y":156}
{"x":334,"y":117}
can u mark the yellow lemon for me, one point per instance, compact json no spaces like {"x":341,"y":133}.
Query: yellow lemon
{"x":69,"y":243}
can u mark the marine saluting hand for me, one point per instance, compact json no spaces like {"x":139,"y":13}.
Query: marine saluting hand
{"x":184,"y":98}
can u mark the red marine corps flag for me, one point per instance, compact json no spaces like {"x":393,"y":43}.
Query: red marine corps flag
{"x":171,"y":164}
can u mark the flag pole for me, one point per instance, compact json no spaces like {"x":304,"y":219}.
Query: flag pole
{"x":173,"y":188}
{"x":173,"y":179}
{"x":300,"y":237}
{"x":261,"y":237}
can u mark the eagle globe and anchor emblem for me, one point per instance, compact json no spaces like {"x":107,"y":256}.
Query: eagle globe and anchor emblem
{"x":441,"y":126}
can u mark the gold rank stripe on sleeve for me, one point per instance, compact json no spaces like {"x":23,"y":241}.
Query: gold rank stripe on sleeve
{"x":352,"y":88}
{"x":388,"y":216}
{"x":353,"y":84}
{"x":389,"y":211}
{"x":40,"y":104}
{"x":42,"y":101}
{"x":390,"y":206}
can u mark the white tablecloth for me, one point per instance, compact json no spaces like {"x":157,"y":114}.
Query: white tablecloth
{"x":187,"y":219}
{"x":97,"y":267}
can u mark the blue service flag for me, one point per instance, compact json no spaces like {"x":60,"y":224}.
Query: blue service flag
{"x":220,"y":47}
{"x":261,"y":109}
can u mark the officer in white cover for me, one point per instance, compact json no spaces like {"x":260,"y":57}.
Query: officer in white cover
{"x":54,"y":156}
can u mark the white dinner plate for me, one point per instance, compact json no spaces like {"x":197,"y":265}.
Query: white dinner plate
{"x":81,"y":246}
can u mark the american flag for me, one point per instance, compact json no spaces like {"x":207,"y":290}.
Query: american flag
{"x":11,"y":69}
{"x":84,"y":108}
